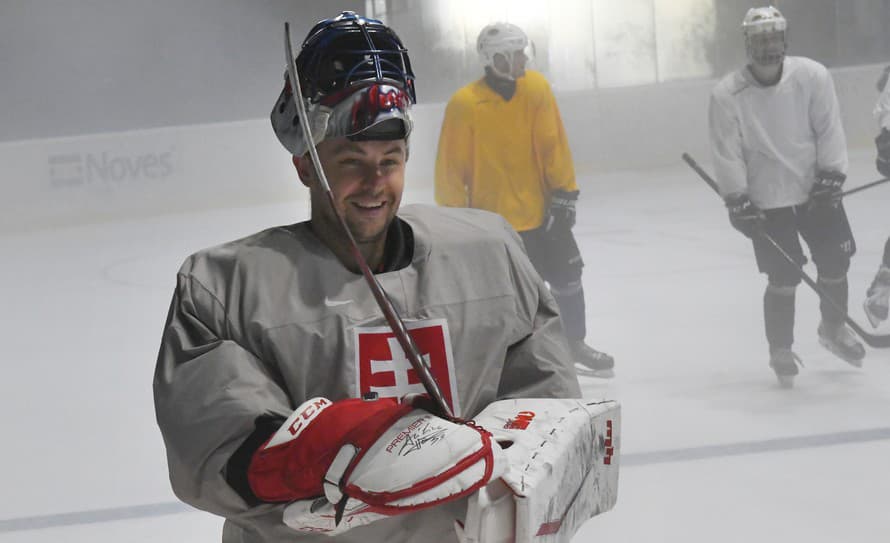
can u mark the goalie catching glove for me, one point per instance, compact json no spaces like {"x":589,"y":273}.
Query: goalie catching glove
{"x":348,"y":463}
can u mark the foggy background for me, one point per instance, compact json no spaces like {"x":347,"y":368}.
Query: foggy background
{"x":93,"y":66}
{"x":133,"y":133}
{"x":119,"y":109}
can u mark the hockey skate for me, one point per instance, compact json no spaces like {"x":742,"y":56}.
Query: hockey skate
{"x":840,"y":340}
{"x":878,"y":298}
{"x":590,"y":362}
{"x":784,"y":362}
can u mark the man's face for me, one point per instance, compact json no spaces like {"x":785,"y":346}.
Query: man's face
{"x":767,"y":48}
{"x":514,"y":65}
{"x":366,"y":178}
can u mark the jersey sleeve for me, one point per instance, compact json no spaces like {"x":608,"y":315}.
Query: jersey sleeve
{"x":539,"y":365}
{"x":209,"y":392}
{"x":454,"y":158}
{"x":825,"y":119}
{"x":552,"y":143}
{"x":726,"y":146}
{"x":882,"y":109}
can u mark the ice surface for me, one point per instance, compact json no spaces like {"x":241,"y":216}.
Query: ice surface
{"x":713,"y":450}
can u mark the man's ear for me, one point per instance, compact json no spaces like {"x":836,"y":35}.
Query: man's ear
{"x":305,"y":169}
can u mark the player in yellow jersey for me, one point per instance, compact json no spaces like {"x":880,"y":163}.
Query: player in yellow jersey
{"x":503,"y":148}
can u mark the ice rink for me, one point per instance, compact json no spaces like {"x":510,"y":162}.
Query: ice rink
{"x":712,"y":449}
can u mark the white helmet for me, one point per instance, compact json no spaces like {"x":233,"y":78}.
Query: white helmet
{"x":760,"y":20}
{"x":503,"y":39}
{"x":758,"y":25}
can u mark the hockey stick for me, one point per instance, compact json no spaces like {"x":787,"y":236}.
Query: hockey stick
{"x":874,"y":340}
{"x":389,"y":312}
{"x":865,"y":186}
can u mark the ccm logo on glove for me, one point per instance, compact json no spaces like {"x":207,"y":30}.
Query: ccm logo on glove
{"x":309,"y":411}
{"x":307,"y":415}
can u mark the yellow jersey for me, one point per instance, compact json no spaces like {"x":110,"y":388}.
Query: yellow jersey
{"x":504,"y":156}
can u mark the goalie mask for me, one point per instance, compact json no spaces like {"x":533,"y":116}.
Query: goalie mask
{"x":505,"y":49}
{"x":356,"y":80}
{"x":765,"y":35}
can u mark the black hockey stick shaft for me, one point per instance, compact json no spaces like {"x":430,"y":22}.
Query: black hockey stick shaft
{"x":874,"y":340}
{"x":689,"y":160}
{"x":389,"y":311}
{"x":865,"y":186}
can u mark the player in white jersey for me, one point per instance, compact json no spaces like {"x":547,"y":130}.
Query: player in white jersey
{"x":275,"y":353}
{"x":877,"y":297}
{"x":780,"y":155}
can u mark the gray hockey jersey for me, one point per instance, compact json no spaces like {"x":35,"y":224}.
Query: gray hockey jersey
{"x":769,"y":141}
{"x":259,"y":325}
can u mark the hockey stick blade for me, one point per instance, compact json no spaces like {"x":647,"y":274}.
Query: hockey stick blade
{"x":389,"y":311}
{"x":879,"y":341}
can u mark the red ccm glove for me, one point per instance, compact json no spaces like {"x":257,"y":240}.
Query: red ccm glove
{"x":369,"y":459}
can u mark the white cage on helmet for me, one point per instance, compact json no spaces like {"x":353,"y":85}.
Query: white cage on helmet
{"x":763,"y":20}
{"x":504,"y":39}
{"x":765,"y":35}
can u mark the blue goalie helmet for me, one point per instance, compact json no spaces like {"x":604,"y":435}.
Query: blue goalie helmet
{"x":356,"y":80}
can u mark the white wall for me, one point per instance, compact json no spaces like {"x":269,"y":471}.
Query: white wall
{"x":56,"y":182}
{"x":648,"y":126}
{"x":63,"y":181}
{"x":93,"y":66}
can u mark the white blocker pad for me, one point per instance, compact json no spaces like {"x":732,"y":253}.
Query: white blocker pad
{"x":563,"y":470}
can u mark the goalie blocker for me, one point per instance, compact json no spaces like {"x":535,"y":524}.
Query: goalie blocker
{"x":563,"y":470}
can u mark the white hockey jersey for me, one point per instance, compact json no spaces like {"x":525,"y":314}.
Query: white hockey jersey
{"x":882,"y":108}
{"x":769,"y":141}
{"x":259,"y":325}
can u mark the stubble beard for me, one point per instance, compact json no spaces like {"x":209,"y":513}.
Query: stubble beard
{"x":364,"y":234}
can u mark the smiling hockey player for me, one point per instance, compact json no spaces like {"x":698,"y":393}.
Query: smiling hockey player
{"x":285,"y":403}
{"x":780,"y":156}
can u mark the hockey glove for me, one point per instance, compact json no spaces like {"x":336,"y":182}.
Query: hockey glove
{"x":827,"y":190}
{"x":882,"y":142}
{"x":352,"y":462}
{"x":561,"y":216}
{"x":744,"y":216}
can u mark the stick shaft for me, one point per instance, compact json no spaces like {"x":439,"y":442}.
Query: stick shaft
{"x":389,"y":312}
{"x":865,"y":186}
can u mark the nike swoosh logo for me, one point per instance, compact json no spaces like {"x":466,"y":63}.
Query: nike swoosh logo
{"x":334,"y":303}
